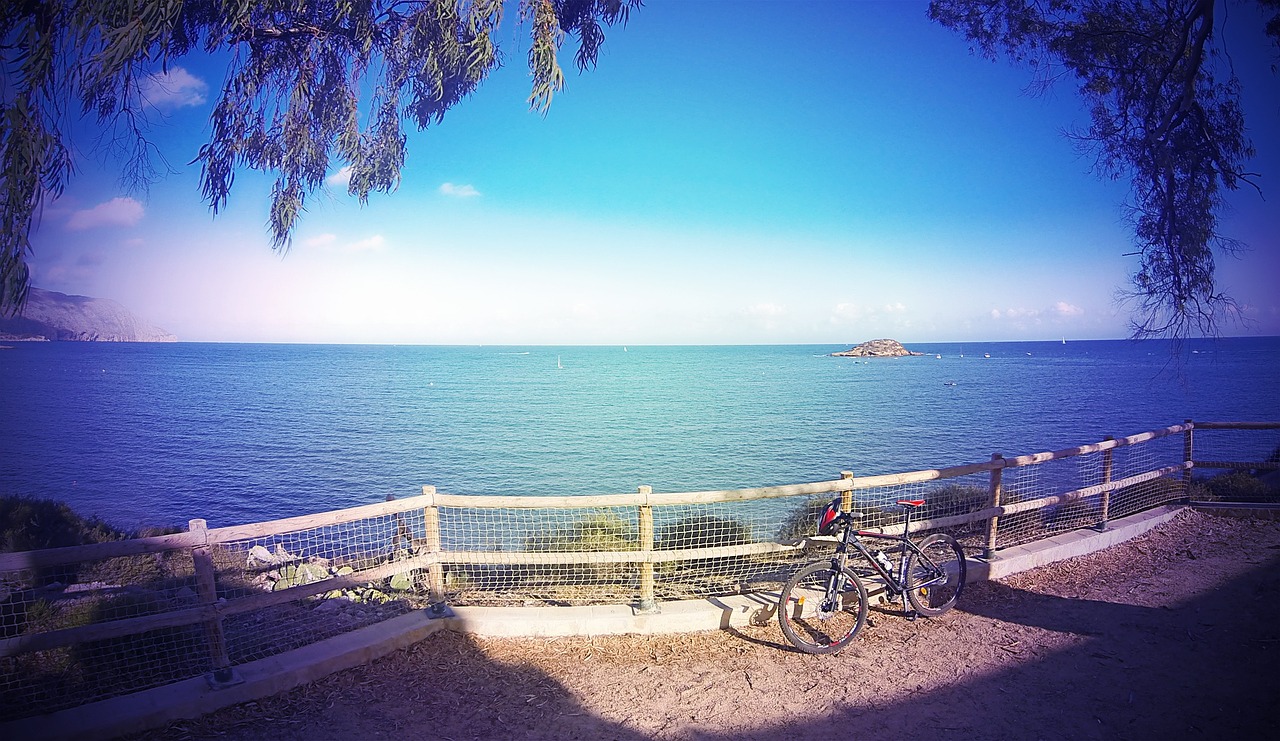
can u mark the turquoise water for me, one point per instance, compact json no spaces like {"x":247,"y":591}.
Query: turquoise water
{"x":160,"y":433}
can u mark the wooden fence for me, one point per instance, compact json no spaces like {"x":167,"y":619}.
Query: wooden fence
{"x":431,"y":555}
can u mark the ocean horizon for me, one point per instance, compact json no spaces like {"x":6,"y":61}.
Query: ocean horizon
{"x":156,"y":434}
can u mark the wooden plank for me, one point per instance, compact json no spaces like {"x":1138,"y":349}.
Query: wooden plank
{"x":920,"y":526}
{"x":500,"y":558}
{"x":932,"y":474}
{"x":1237,"y":425}
{"x":103,"y":631}
{"x":302,"y":591}
{"x":639,"y":499}
{"x":1007,"y":509}
{"x":1091,"y":491}
{"x":518,"y":502}
{"x":206,"y":587}
{"x":995,"y":496}
{"x":1035,"y":458}
{"x":493,"y":558}
{"x":96,"y":552}
{"x":1243,"y":465}
{"x":745,"y":495}
{"x":645,"y":516}
{"x":311,"y":522}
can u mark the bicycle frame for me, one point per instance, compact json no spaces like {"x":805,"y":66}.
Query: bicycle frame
{"x":840,"y":592}
{"x":896,"y":584}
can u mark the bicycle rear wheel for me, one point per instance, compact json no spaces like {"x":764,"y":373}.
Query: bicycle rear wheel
{"x":822,"y":608}
{"x":936,"y":575}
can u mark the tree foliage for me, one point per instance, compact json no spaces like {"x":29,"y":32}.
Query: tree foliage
{"x":309,"y":83}
{"x":1165,"y":114}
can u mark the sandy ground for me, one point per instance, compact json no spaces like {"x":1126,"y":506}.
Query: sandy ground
{"x":1172,"y":635}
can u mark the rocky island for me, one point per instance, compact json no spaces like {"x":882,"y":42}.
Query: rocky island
{"x":50,"y":315}
{"x":876,"y":349}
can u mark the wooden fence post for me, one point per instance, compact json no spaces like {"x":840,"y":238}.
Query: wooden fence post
{"x":1107,"y":461}
{"x":207,"y":589}
{"x":993,"y":524}
{"x":647,"y":602}
{"x":1187,"y":451}
{"x":431,"y":539}
{"x":846,"y":497}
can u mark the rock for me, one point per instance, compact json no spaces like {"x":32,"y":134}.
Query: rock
{"x":296,"y":574}
{"x":876,"y":349}
{"x":329,"y":605}
{"x":50,"y":315}
{"x":261,"y":555}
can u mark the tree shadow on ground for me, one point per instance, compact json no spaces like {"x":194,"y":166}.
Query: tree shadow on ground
{"x":1205,"y":668}
{"x":445,"y":687}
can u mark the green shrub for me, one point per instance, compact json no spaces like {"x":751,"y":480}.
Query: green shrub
{"x":704,"y":531}
{"x":803,"y":520}
{"x":597,"y":531}
{"x":953,"y":499}
{"x":28,"y":524}
{"x":1239,"y":486}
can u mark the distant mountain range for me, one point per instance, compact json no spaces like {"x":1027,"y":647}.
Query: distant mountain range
{"x":50,"y":315}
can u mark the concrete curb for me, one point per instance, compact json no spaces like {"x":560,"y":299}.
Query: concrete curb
{"x":194,"y":697}
{"x":1068,"y":545}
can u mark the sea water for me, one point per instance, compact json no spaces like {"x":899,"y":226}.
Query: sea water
{"x":162,"y":433}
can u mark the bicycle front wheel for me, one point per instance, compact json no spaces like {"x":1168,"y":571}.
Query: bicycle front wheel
{"x":822,"y":608}
{"x":935,"y":575}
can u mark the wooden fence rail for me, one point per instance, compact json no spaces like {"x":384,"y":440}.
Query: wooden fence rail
{"x":432,"y":557}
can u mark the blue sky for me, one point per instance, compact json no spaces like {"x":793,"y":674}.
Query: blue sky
{"x":732,"y":172}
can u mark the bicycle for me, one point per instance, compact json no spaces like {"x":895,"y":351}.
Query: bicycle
{"x":824,"y":605}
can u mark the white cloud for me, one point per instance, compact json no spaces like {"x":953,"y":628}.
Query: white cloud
{"x":330,"y":243}
{"x":369,"y":244}
{"x":995,"y":314}
{"x":174,"y":88}
{"x":1064,"y":309}
{"x":459,"y":191}
{"x":340,"y":179}
{"x":846,"y":312}
{"x":766,"y":310}
{"x":897,"y":308}
{"x":320,"y":240}
{"x":115,"y":212}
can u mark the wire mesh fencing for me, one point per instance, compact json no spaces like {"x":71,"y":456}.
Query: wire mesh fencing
{"x":1236,"y":462}
{"x":90,"y":622}
{"x":83,"y":629}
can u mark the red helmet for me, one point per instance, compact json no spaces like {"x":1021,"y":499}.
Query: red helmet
{"x":827,"y":520}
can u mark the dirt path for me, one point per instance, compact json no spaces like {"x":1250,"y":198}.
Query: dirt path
{"x":1171,"y":635}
